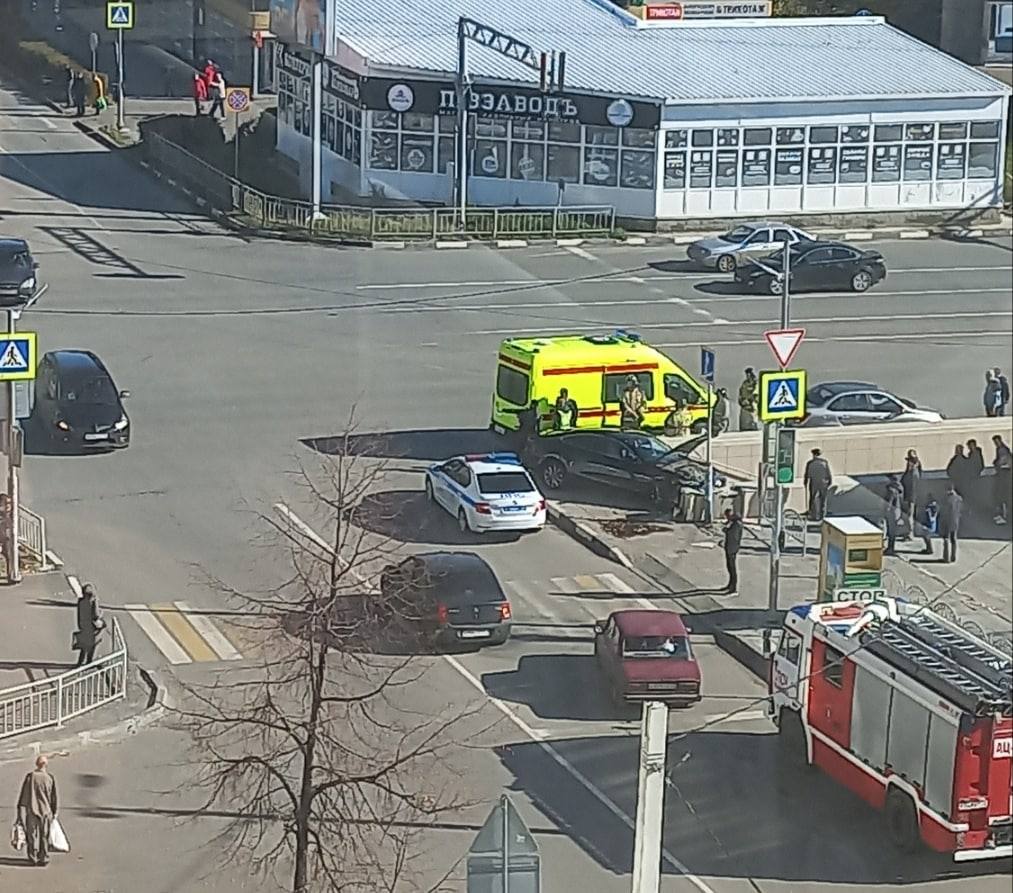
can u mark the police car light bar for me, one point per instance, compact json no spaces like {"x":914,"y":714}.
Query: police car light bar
{"x":494,"y":457}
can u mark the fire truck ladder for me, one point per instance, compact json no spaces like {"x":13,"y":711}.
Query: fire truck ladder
{"x":950,"y":664}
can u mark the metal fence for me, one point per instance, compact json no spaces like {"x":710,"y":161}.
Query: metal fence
{"x":230,"y":196}
{"x":53,"y":701}
{"x":32,"y":533}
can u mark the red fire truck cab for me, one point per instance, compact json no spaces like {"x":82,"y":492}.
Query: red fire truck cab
{"x":910,"y":711}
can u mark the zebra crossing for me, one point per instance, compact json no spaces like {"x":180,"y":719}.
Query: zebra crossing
{"x":182,"y":635}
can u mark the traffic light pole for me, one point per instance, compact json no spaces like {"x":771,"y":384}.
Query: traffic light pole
{"x":772,"y":435}
{"x":11,"y":520}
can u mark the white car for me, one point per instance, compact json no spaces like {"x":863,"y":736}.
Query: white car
{"x":745,"y":241}
{"x":488,"y":491}
{"x":863,"y":402}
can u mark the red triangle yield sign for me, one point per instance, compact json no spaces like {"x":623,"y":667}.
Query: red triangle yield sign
{"x":784,"y":343}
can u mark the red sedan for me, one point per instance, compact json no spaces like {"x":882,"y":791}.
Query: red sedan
{"x":646,"y":656}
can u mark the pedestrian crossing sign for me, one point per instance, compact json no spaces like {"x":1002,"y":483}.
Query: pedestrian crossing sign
{"x":120,"y":15}
{"x":782,"y":395}
{"x":17,"y":356}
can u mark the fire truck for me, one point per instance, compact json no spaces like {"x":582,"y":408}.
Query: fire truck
{"x":911,"y":712}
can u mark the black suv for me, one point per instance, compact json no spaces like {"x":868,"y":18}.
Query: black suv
{"x":17,"y":272}
{"x":77,"y":404}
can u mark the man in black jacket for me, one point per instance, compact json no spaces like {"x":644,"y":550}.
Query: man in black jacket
{"x":818,"y":479}
{"x":949,"y":522}
{"x":733,"y":541}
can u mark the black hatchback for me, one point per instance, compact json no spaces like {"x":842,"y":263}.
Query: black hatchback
{"x":446,"y":598}
{"x":17,"y":273}
{"x":77,"y":403}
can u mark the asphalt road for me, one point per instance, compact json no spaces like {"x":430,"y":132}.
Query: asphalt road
{"x":244,"y":360}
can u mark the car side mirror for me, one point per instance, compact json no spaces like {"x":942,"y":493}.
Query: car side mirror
{"x":599,"y":629}
{"x":124,"y":394}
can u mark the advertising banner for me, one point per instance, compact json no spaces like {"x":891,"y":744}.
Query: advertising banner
{"x":303,"y":23}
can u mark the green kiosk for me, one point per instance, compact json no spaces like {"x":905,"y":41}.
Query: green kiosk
{"x":851,"y":560}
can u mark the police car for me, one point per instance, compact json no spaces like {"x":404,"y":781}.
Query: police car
{"x":487,"y":491}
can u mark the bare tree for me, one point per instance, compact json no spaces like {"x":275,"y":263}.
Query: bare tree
{"x":324,"y":752}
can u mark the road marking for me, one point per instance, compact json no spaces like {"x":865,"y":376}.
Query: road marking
{"x":579,"y":252}
{"x":210,"y":633}
{"x":538,"y":737}
{"x":587,"y":582}
{"x":561,"y":627}
{"x":158,"y":634}
{"x":623,"y":588}
{"x":744,"y":716}
{"x":183,"y":632}
{"x":74,"y":584}
{"x":48,"y":123}
{"x":887,"y":336}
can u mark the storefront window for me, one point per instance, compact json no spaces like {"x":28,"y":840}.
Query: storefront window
{"x":383,"y":151}
{"x":855,"y":134}
{"x":564,"y":132}
{"x":601,"y":136}
{"x":950,"y":164}
{"x":491,"y":127}
{"x":447,"y":123}
{"x":854,"y":164}
{"x":446,"y":158}
{"x":601,"y":166}
{"x":637,"y":170}
{"x":417,"y":154}
{"x":383,"y":120}
{"x":675,"y":170}
{"x":788,"y":135}
{"x":822,"y":134}
{"x":701,"y":170}
{"x":889,"y":133}
{"x":982,"y":160}
{"x":416,"y":122}
{"x":956,"y":131}
{"x":528,"y":130}
{"x":756,"y":167}
{"x":527,"y":161}
{"x":728,"y":136}
{"x":985,"y":130}
{"x":638,"y":138}
{"x":822,"y":168}
{"x":490,"y":158}
{"x":920,"y":132}
{"x":886,"y":164}
{"x":676,"y":139}
{"x":703,"y":137}
{"x":726,"y":168}
{"x":757,"y":136}
{"x":563,"y":163}
{"x":917,"y":162}
{"x":788,"y":167}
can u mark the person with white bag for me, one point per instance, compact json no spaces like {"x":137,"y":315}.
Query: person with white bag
{"x":37,"y":812}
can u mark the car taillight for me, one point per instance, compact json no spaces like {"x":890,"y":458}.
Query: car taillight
{"x":483,"y":508}
{"x":540,"y":507}
{"x":504,"y":611}
{"x":442,"y":613}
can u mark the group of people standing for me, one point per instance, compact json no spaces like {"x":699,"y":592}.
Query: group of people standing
{"x":209,"y":84}
{"x":84,"y":89}
{"x":996,"y":395}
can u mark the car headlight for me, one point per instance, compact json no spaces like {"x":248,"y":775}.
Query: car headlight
{"x":28,"y":285}
{"x":121,"y":424}
{"x":62,"y":425}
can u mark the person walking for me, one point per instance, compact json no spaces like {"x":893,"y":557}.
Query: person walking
{"x":70,"y":87}
{"x":217,"y":93}
{"x":631,"y":405}
{"x":910,"y":481}
{"x":732,"y":532}
{"x":720,"y":412}
{"x":992,"y":396}
{"x":89,"y":625}
{"x":748,"y":395}
{"x":818,"y":479}
{"x":930,"y":523}
{"x":37,"y":805}
{"x":208,"y":74}
{"x":894,"y":512}
{"x":1003,"y":465}
{"x":957,"y":469}
{"x":949,"y":522}
{"x":79,"y":91}
{"x":200,"y":94}
{"x":1003,"y":391}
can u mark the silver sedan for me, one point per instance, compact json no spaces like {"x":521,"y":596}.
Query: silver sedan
{"x":745,"y":240}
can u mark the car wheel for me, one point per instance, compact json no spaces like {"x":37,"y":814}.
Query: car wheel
{"x":462,"y":521}
{"x":726,"y":263}
{"x":430,"y":496}
{"x":902,"y":821}
{"x":774,"y":286}
{"x":861,"y":281}
{"x":553,"y":474}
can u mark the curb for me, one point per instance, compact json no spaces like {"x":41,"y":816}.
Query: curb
{"x":585,"y":536}
{"x":569,"y":243}
{"x":511,"y":243}
{"x":859,"y":236}
{"x":451,"y":244}
{"x":915,"y":234}
{"x":634,"y":240}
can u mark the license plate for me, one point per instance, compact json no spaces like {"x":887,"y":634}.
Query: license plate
{"x":474,"y":634}
{"x":512,"y":508}
{"x":96,"y":437}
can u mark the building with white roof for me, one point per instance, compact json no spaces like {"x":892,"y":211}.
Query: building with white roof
{"x":682,"y":120}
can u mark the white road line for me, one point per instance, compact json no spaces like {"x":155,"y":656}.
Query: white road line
{"x":580,"y":252}
{"x":302,"y":526}
{"x":74,"y":584}
{"x":538,"y":737}
{"x":48,"y":123}
{"x":526,"y":598}
{"x":744,"y":716}
{"x":158,"y":634}
{"x":209,"y":633}
{"x":620,"y":586}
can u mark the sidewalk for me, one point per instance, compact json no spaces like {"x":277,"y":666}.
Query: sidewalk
{"x":38,"y":621}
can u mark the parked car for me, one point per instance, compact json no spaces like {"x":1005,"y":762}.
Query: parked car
{"x":747,"y":240}
{"x":630,"y":460}
{"x":18,"y":276}
{"x":445,"y":598}
{"x":646,"y":655}
{"x":815,"y":265}
{"x":77,"y":403}
{"x":861,"y":403}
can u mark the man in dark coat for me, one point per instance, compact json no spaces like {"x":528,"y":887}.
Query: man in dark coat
{"x":36,"y":809}
{"x":79,"y":91}
{"x":1003,"y":465}
{"x":818,"y":479}
{"x":957,"y":470}
{"x":894,"y":512}
{"x":89,"y":624}
{"x":910,"y":481}
{"x":732,"y":543}
{"x":949,"y":522}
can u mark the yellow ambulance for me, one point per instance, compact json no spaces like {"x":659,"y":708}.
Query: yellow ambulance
{"x":593,"y":369}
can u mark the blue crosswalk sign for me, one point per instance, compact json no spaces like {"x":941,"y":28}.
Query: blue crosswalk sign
{"x":782,"y":395}
{"x":119,"y":15}
{"x":17,"y":357}
{"x":707,"y":364}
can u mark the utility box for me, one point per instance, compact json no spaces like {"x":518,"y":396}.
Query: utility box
{"x":851,"y":558}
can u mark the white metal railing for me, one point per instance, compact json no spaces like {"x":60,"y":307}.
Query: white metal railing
{"x":53,"y":701}
{"x":32,"y":533}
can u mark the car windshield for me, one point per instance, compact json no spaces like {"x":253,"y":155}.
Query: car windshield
{"x":656,"y":646}
{"x":648,"y":447}
{"x":93,"y":391}
{"x":496,"y":483}
{"x":737,"y":235}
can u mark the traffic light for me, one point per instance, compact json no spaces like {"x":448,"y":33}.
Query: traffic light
{"x":785,"y":460}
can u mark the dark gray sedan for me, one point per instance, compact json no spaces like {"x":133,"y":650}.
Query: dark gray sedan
{"x":746,"y":240}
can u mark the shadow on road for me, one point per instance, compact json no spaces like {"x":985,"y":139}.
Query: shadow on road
{"x":677,"y":266}
{"x":427,"y":443}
